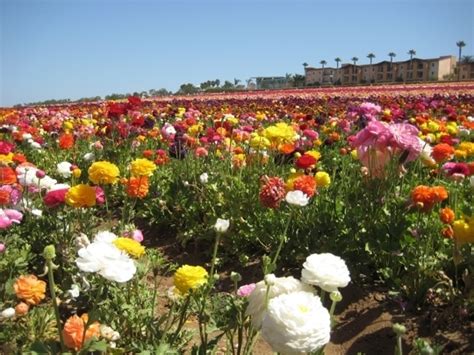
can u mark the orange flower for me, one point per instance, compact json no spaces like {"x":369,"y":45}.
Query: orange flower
{"x":7,"y":176}
{"x":21,"y":309}
{"x":148,"y":153}
{"x":448,"y":232}
{"x":446,"y":215}
{"x":305,"y":183}
{"x":66,"y":141}
{"x":4,"y":197}
{"x":424,"y":197}
{"x":73,"y":331}
{"x":19,"y":158}
{"x":287,"y":148}
{"x":137,"y":186}
{"x":30,"y":289}
{"x":442,"y":152}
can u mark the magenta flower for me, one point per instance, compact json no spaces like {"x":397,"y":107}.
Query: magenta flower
{"x":405,"y":138}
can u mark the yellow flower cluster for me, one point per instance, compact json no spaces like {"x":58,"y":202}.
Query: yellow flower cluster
{"x":130,"y":246}
{"x":142,"y":167}
{"x":189,"y":277}
{"x":464,"y":150}
{"x":81,"y":195}
{"x":103,"y":172}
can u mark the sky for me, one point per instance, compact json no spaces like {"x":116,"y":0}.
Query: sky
{"x":57,"y":49}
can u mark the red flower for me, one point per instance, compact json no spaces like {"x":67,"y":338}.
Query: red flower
{"x":55,"y":198}
{"x":272,"y":191}
{"x":305,"y":161}
{"x":305,"y":183}
{"x":134,"y":100}
{"x":66,"y":141}
{"x":442,"y":152}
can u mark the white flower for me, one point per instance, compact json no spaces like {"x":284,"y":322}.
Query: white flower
{"x":108,"y":333}
{"x":222,"y":225}
{"x":64,"y":169}
{"x":297,"y":198}
{"x":81,"y":241}
{"x":278,"y":286}
{"x":296,"y":323}
{"x":107,"y":260}
{"x":471,"y":181}
{"x":74,"y":291}
{"x":105,"y":237}
{"x":89,"y":156}
{"x":27,"y":136}
{"x":7,"y":313}
{"x":325,"y":270}
{"x":37,"y":212}
{"x":204,"y":178}
{"x":27,"y":177}
{"x":35,"y":145}
{"x":58,"y":187}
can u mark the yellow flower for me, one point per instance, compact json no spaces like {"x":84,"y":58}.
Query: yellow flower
{"x":142,"y":167}
{"x":189,"y":277}
{"x":280,"y":133}
{"x":322,"y":179}
{"x":314,"y":153}
{"x":464,"y":231}
{"x":68,"y":125}
{"x":130,"y":246}
{"x":195,"y":129}
{"x":259,"y":142}
{"x":6,"y":158}
{"x":77,"y":173}
{"x":103,"y":172}
{"x":467,"y":147}
{"x":81,"y":196}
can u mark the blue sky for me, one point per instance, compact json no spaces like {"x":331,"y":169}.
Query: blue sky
{"x":77,"y":48}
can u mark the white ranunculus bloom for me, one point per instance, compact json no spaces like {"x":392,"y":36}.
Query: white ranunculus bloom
{"x":297,"y":198}
{"x":204,"y":178}
{"x":64,"y":169}
{"x":105,"y":237}
{"x":296,"y":323}
{"x":59,"y":187}
{"x":325,"y":270}
{"x":7,"y":313}
{"x":278,"y":286}
{"x":27,"y":177}
{"x":107,"y":260}
{"x":89,"y":156}
{"x":222,"y":225}
{"x":74,"y":291}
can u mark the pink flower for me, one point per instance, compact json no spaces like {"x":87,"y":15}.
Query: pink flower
{"x":15,"y":194}
{"x":8,"y":217}
{"x":6,"y":147}
{"x":452,"y":168}
{"x":2,"y":248}
{"x":310,"y":134}
{"x":201,"y":152}
{"x":137,"y":235}
{"x":405,"y":138}
{"x":245,"y":290}
{"x":99,"y":195}
{"x":55,"y":198}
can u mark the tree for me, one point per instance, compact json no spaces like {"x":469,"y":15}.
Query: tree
{"x":354,"y":60}
{"x":188,"y":88}
{"x":391,"y":55}
{"x":337,"y":60}
{"x":411,"y":52}
{"x":371,"y":56}
{"x":236,"y":81}
{"x":298,"y":80}
{"x":460,"y":45}
{"x":467,"y":59}
{"x":323,"y":63}
{"x":305,"y":65}
{"x":227,"y":85}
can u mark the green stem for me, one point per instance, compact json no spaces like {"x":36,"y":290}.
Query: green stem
{"x":214,"y":255}
{"x":55,"y":304}
{"x":282,"y":241}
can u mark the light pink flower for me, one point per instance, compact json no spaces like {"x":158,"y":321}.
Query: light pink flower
{"x":8,"y":217}
{"x":245,"y":290}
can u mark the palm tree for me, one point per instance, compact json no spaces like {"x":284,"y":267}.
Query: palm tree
{"x":391,"y":55}
{"x":411,"y":52}
{"x":323,"y":63}
{"x":460,"y":44}
{"x":371,"y":56}
{"x":467,"y":59}
{"x":354,"y":60}
{"x":305,"y":64}
{"x":337,"y":60}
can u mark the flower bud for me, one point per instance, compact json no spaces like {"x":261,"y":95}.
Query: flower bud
{"x":270,"y":279}
{"x":40,"y":174}
{"x":7,"y":313}
{"x":49,"y":252}
{"x":222,"y":225}
{"x":399,"y":329}
{"x":235,"y":276}
{"x":21,"y":309}
{"x":335,"y":296}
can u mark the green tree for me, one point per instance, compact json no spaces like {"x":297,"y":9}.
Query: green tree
{"x":323,"y":63}
{"x":460,"y":45}
{"x":337,"y":60}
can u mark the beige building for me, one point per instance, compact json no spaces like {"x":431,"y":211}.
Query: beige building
{"x":466,"y":71}
{"x":412,"y":70}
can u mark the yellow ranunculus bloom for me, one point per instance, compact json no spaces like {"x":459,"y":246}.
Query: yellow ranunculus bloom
{"x":314,"y":153}
{"x":322,"y":179}
{"x":142,"y":167}
{"x":189,"y":277}
{"x":103,"y":172}
{"x":464,"y":230}
{"x":6,"y":158}
{"x":280,"y":133}
{"x":259,"y":142}
{"x":81,"y":196}
{"x":130,"y":246}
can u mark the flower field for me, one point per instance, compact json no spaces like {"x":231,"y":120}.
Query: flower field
{"x":318,"y":189}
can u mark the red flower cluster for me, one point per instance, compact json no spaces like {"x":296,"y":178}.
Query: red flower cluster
{"x":272,"y":192}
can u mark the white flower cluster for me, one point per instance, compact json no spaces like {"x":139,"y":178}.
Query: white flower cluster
{"x":295,"y":321}
{"x":103,"y":257}
{"x":27,"y":177}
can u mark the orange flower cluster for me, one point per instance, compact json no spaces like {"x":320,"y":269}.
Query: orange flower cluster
{"x":30,"y":289}
{"x":7,"y":176}
{"x":424,"y":197}
{"x":74,"y":334}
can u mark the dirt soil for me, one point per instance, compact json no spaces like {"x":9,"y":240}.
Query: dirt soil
{"x":364,"y":317}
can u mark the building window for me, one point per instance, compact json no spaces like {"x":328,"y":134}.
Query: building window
{"x":420,"y":74}
{"x":389,"y":76}
{"x":432,"y":65}
{"x":401,"y":66}
{"x":420,"y":65}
